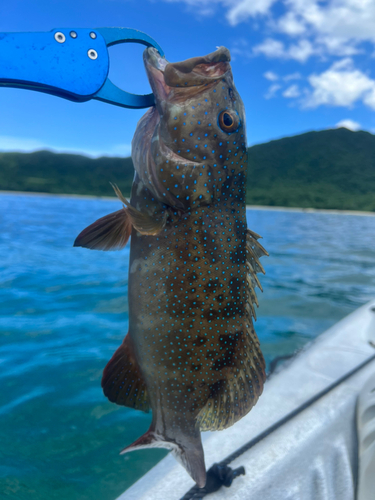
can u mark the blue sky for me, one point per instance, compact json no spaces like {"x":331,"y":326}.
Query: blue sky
{"x":299,"y":65}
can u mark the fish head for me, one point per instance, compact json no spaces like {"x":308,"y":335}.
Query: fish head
{"x":187,"y":147}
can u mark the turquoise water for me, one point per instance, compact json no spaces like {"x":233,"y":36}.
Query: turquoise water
{"x":64,"y":311}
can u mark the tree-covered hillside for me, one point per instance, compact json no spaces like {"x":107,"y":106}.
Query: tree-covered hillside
{"x":327,"y":169}
{"x":48,"y":172}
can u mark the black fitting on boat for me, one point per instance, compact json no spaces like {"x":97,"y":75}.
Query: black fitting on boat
{"x":222,"y":475}
{"x":217,"y":476}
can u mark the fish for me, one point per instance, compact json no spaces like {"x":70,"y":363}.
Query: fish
{"x":191,"y":354}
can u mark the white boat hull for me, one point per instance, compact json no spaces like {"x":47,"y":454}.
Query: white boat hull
{"x":311,"y":457}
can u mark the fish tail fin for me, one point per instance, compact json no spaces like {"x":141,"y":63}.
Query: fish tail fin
{"x":191,"y":456}
{"x":187,"y":450}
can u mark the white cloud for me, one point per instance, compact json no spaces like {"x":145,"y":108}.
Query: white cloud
{"x":369,"y":98}
{"x":332,"y":27}
{"x":237,"y":10}
{"x":292,"y":76}
{"x":241,"y":10}
{"x":349,"y":19}
{"x":338,"y":18}
{"x":203,"y":7}
{"x":349,"y":124}
{"x":270,"y":48}
{"x":336,"y":27}
{"x":337,"y":46}
{"x":301,"y":51}
{"x":275,"y":49}
{"x":292,"y":91}
{"x":341,"y":85}
{"x":272,"y":91}
{"x":27,"y":145}
{"x":291,"y":24}
{"x":270,"y":75}
{"x":298,"y":30}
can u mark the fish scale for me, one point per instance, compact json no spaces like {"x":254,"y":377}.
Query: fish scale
{"x":191,"y":353}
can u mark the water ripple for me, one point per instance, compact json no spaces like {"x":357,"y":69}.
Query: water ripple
{"x":64,"y":311}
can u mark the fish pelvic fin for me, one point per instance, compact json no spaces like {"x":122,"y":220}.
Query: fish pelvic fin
{"x":122,"y":381}
{"x":143,"y":222}
{"x":186,"y":449}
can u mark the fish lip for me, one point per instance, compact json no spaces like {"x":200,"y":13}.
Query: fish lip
{"x":153,"y":59}
{"x":155,"y":65}
{"x":165,"y":76}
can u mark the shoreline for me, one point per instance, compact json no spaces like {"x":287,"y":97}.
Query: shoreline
{"x":311,"y":210}
{"x":248,"y":207}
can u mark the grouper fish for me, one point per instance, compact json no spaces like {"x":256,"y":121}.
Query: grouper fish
{"x":191,"y":354}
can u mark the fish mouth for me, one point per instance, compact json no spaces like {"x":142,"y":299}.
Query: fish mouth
{"x":193,"y":72}
{"x":154,"y":60}
{"x":155,"y":66}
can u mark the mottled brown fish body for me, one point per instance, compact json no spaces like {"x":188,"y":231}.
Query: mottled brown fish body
{"x":191,"y":354}
{"x":188,"y":318}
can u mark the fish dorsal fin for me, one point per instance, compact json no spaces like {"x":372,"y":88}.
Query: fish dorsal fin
{"x":232,"y":396}
{"x":107,"y":233}
{"x":122,"y":381}
{"x":254,"y":251}
{"x":143,"y":222}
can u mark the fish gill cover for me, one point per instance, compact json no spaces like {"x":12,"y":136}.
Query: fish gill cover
{"x":191,"y":354}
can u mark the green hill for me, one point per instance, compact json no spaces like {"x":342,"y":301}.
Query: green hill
{"x":327,"y":169}
{"x":48,"y":172}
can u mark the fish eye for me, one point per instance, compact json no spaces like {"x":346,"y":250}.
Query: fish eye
{"x":227,"y":121}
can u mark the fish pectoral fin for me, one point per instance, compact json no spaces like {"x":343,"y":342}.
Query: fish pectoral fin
{"x":186,"y":449}
{"x":107,"y":233}
{"x":113,"y":231}
{"x":122,"y":381}
{"x":143,"y":222}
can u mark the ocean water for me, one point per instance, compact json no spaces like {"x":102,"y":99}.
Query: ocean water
{"x":63,"y":312}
